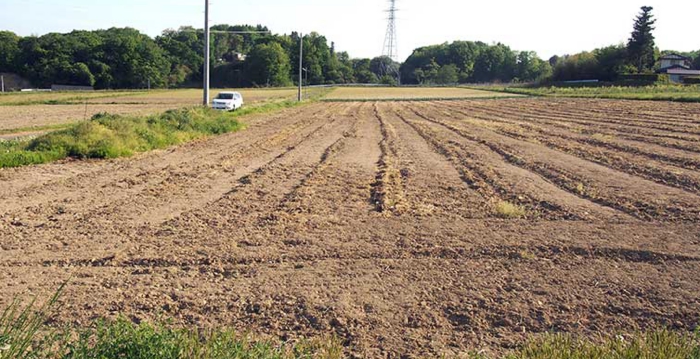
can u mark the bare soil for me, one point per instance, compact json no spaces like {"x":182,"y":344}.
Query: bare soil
{"x":12,"y":117}
{"x":378,"y":223}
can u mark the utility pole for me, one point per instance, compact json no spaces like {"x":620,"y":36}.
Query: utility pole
{"x":207,"y":52}
{"x":2,"y":81}
{"x":301,"y":62}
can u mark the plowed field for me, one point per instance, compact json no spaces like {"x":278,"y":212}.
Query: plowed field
{"x":380,"y":223}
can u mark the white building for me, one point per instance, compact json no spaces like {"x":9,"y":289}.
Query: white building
{"x":677,"y":67}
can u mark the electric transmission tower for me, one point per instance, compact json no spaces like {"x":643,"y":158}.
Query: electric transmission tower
{"x":391,"y":49}
{"x":390,"y":42}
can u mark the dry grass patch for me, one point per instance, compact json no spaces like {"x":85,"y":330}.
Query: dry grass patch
{"x":509,"y":210}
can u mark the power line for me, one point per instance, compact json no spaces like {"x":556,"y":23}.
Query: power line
{"x":207,"y":49}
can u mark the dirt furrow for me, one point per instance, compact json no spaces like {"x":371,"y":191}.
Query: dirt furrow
{"x":675,"y":153}
{"x":127,"y":177}
{"x":641,"y":198}
{"x":110,"y":225}
{"x":433,"y":186}
{"x":582,"y":125}
{"x":607,"y":115}
{"x":652,"y":166}
{"x":658,"y":112}
{"x":198,"y":186}
{"x":692,"y":131}
{"x":388,"y":190}
{"x":499,"y":181}
{"x":340,"y":189}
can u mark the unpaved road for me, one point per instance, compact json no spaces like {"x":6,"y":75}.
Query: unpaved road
{"x":378,"y":223}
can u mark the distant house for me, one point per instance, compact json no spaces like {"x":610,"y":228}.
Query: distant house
{"x":678,"y":67}
{"x":233,"y":57}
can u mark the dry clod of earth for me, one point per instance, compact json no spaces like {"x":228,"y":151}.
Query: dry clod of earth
{"x":422,"y":228}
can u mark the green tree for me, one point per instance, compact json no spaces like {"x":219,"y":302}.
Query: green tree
{"x":531,"y":68}
{"x":583,"y":66}
{"x":134,"y":59}
{"x":183,"y":49}
{"x":9,"y":50}
{"x":612,"y":61}
{"x":362,"y":72}
{"x":431,"y":72}
{"x":344,"y":68}
{"x":383,"y":66}
{"x":448,"y":74}
{"x":268,"y":65}
{"x":641,"y":46}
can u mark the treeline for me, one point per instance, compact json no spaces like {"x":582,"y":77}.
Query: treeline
{"x":125,"y":58}
{"x":639,"y":56}
{"x":605,"y":64}
{"x":472,"y":62}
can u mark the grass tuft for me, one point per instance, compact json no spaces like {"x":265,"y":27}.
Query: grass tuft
{"x":20,"y":327}
{"x":509,"y":210}
{"x":661,"y":344}
{"x":123,"y":339}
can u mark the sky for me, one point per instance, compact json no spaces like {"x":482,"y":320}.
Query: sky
{"x":359,"y":26}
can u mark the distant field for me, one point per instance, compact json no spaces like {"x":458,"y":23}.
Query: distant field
{"x":658,"y":93}
{"x":407,"y":93}
{"x":37,"y":116}
{"x":188,"y":97}
{"x":32,"y":98}
{"x":32,"y":111}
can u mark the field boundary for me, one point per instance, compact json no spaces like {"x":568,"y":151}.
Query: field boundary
{"x":421,"y":99}
{"x":631,"y":96}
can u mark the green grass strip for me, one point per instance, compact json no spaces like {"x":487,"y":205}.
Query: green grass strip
{"x":112,"y":136}
{"x":669,"y":93}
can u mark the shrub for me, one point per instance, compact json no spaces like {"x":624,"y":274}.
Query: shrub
{"x":508,"y":210}
{"x":112,"y":136}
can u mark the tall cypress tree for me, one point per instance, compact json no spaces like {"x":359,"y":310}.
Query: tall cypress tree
{"x":641,"y":45}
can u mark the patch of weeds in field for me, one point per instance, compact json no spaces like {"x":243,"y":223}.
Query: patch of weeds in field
{"x":602,"y":137}
{"x":21,"y":329}
{"x":661,"y":344}
{"x":580,"y":189}
{"x":509,"y":210}
{"x":123,"y":339}
{"x":527,"y":255}
{"x":112,"y":136}
{"x":24,"y":335}
{"x":660,"y":92}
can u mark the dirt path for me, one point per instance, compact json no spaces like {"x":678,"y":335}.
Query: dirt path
{"x":375,"y":222}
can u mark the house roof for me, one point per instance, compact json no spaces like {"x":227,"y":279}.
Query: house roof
{"x":674,"y":56}
{"x":673,"y":67}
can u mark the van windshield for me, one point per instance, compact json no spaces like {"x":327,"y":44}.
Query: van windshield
{"x":225,"y":96}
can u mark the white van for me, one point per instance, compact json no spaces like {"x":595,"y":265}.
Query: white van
{"x":227,"y":101}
